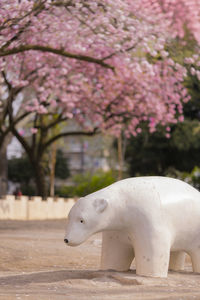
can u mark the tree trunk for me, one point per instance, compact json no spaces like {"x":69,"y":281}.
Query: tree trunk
{"x":52,"y":169}
{"x":120,"y":157}
{"x":3,"y":170}
{"x":4,"y":141}
{"x":41,"y":188}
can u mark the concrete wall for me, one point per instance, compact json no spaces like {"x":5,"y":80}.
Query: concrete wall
{"x":34,"y":209}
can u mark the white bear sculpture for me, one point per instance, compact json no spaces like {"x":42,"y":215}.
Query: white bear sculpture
{"x":154,"y":219}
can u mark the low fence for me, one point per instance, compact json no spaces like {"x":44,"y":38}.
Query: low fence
{"x":23,"y":208}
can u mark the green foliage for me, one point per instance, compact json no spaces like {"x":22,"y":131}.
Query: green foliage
{"x":65,"y":191}
{"x":192,"y":177}
{"x":28,"y":190}
{"x":186,"y":136}
{"x":20,"y":170}
{"x":86,"y":184}
{"x":153,"y":154}
{"x":179,"y":49}
{"x":192,"y":108}
{"x":61,"y":168}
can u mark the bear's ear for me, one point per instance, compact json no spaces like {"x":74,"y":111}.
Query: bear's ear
{"x":100,"y":205}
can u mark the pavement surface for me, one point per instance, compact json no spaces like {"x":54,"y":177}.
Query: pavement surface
{"x":35,"y":264}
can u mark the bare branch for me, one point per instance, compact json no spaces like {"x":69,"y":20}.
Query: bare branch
{"x":70,"y":133}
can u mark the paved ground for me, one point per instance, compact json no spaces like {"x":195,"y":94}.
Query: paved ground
{"x":35,"y":264}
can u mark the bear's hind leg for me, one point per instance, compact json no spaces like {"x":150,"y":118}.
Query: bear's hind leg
{"x":177,"y":260}
{"x":195,"y":257}
{"x":117,"y":252}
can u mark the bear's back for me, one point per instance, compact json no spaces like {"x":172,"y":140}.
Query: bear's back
{"x":151,"y":189}
{"x":168,"y":189}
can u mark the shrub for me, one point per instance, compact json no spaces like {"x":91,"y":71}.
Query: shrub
{"x":192,"y":177}
{"x":65,"y":191}
{"x":86,"y":184}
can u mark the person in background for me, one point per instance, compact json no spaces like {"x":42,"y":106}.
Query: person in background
{"x":18,"y":192}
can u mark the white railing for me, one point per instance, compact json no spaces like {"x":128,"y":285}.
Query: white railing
{"x":35,"y":208}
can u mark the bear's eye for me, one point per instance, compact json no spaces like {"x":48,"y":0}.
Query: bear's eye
{"x":81,"y":221}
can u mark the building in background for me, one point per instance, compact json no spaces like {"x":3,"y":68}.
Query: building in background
{"x":88,"y":154}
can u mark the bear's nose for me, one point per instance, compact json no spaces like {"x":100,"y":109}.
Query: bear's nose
{"x":66,"y":241}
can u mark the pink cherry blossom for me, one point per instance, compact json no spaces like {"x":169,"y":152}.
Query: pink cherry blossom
{"x":34,"y":130}
{"x":87,"y":60}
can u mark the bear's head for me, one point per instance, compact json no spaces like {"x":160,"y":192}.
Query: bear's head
{"x":86,"y":217}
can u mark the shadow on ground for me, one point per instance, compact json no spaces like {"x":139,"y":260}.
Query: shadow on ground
{"x":57,"y":276}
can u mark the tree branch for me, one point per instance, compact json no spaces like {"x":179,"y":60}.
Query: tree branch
{"x":22,"y":141}
{"x":37,"y":8}
{"x":69,"y":133}
{"x":8,"y":129}
{"x":61,"y":52}
{"x":121,"y":51}
{"x":58,"y":120}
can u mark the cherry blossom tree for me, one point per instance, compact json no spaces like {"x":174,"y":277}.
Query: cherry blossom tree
{"x":109,"y":34}
{"x":181,"y":14}
{"x":37,"y":116}
{"x":99,"y":29}
{"x":116,"y":35}
{"x":89,"y":95}
{"x":102,"y":63}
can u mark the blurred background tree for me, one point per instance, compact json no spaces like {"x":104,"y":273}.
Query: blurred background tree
{"x":21,"y":172}
{"x":70,"y":76}
{"x":178,"y":156}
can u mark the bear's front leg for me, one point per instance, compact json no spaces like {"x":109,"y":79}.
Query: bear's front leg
{"x":117,"y":252}
{"x":177,"y":261}
{"x":152,"y":252}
